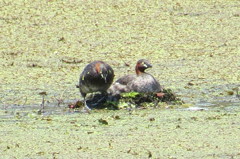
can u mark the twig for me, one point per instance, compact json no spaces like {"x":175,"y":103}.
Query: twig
{"x":43,"y":94}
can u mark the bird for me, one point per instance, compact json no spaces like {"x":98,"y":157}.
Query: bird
{"x":141,"y":82}
{"x":97,"y":76}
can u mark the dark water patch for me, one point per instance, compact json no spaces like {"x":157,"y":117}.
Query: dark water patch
{"x":211,"y":96}
{"x":220,"y":105}
{"x":20,"y":112}
{"x":214,"y":97}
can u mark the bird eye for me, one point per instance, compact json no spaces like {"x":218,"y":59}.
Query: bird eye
{"x":144,"y":64}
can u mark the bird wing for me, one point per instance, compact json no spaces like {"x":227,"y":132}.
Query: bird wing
{"x":126,"y":79}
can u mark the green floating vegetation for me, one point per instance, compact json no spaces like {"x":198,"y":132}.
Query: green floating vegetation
{"x":132,"y":100}
{"x":135,"y":99}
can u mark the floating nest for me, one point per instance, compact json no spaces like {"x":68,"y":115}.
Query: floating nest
{"x":131,"y":99}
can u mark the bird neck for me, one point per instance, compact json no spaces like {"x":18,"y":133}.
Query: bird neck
{"x":139,"y":70}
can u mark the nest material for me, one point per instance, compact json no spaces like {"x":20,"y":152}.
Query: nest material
{"x":100,"y":101}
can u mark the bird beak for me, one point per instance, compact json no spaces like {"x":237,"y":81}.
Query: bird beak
{"x":147,"y":65}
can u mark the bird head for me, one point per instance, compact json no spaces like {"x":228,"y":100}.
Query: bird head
{"x":142,"y":65}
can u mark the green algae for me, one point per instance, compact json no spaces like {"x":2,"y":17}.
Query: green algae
{"x":117,"y":134}
{"x":194,"y":49}
{"x":130,"y":100}
{"x":150,"y":99}
{"x":41,"y":40}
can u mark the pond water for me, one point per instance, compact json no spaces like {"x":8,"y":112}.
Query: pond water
{"x":192,"y":45}
{"x":194,"y":50}
{"x":229,"y":103}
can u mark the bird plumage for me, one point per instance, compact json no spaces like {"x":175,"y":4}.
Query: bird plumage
{"x":140,"y":82}
{"x":96,"y":77}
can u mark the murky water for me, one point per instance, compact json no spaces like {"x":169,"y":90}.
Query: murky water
{"x":194,"y":49}
{"x":228,"y":103}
